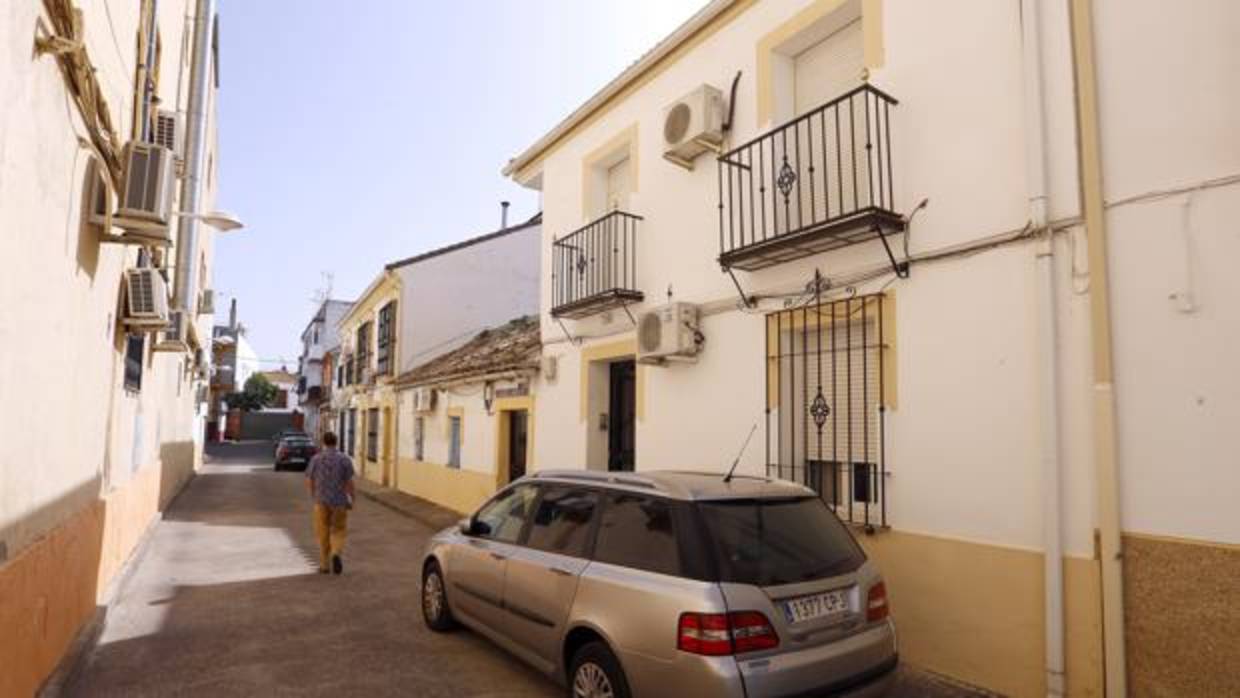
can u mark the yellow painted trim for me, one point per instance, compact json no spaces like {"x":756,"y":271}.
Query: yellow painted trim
{"x":624,"y":140}
{"x":447,"y":423}
{"x":531,"y":169}
{"x":459,"y":489}
{"x":796,"y":322}
{"x":603,"y":352}
{"x":872,"y":34}
{"x":975,"y":611}
{"x":872,"y":37}
{"x":1105,"y":438}
{"x":512,"y":404}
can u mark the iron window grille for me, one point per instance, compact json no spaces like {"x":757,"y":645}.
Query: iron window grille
{"x":372,"y":434}
{"x":363,"y":351}
{"x":419,"y":439}
{"x":826,"y":405}
{"x":352,"y":432}
{"x":595,"y":267}
{"x":454,"y":442}
{"x":819,"y":182}
{"x":135,"y":353}
{"x":386,"y":339}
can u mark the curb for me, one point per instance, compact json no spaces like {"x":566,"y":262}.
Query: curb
{"x":375,"y":496}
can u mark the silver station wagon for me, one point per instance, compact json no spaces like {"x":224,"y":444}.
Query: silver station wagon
{"x":667,"y":584}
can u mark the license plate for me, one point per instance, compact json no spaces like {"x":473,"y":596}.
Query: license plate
{"x":803,"y":608}
{"x":295,"y":460}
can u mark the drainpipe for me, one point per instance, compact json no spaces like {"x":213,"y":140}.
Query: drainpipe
{"x":1105,"y":458}
{"x":1048,"y":343}
{"x":147,"y":69}
{"x":195,"y":163}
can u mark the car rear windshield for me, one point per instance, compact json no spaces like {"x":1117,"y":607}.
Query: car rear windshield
{"x":767,"y":542}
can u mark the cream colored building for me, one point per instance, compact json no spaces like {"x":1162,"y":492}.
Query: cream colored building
{"x":466,"y":417}
{"x":963,"y":266}
{"x":367,"y":400}
{"x":417,"y":309}
{"x":103,"y":419}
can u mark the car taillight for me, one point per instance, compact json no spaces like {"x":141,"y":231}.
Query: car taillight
{"x":282,"y":452}
{"x":752,"y":631}
{"x":718,"y":634}
{"x":876,"y":603}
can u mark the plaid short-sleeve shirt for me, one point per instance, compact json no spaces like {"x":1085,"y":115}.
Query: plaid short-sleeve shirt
{"x":329,"y":471}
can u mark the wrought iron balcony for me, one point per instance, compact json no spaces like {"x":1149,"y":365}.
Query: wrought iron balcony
{"x":819,"y":182}
{"x":595,"y":268}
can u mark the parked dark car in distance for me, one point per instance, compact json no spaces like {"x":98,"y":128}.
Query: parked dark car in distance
{"x":284,"y":434}
{"x":295,"y":451}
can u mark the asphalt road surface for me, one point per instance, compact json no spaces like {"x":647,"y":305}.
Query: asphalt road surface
{"x":225,"y":600}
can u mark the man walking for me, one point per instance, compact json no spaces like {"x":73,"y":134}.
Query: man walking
{"x":329,"y":478}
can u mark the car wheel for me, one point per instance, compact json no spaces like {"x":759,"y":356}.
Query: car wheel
{"x":435,"y":611}
{"x":596,"y":673}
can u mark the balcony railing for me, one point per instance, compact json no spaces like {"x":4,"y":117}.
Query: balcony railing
{"x":595,"y":268}
{"x":820,"y":182}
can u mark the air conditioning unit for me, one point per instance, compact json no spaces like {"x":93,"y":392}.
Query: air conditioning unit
{"x":170,"y":134}
{"x":174,"y":337}
{"x":693,"y":125}
{"x":206,"y":302}
{"x":146,"y":298}
{"x":145,"y":210}
{"x":668,"y":333}
{"x":423,"y":399}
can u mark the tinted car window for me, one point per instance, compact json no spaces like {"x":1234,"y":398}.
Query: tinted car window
{"x":637,"y":532}
{"x":503,"y":518}
{"x":778,"y":541}
{"x":562,"y":521}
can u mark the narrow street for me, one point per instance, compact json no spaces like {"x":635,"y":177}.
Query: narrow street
{"x":225,"y":600}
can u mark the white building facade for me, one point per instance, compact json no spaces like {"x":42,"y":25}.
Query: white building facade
{"x":962,"y":266}
{"x":415,"y":310}
{"x":318,"y":339}
{"x":103,"y":420}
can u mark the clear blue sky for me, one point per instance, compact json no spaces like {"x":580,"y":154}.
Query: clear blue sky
{"x":356,"y":133}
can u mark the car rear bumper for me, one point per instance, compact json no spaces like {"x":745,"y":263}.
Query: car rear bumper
{"x":860,"y":665}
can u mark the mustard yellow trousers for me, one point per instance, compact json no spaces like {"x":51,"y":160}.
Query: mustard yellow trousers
{"x":331,"y":527}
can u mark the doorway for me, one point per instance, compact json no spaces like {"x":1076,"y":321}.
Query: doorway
{"x":518,"y":442}
{"x":622,"y":398}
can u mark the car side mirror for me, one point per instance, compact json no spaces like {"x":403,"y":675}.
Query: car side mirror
{"x":466,"y":526}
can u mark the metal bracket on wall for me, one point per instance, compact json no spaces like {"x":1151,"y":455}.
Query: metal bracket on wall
{"x":575,"y":341}
{"x":749,"y":301}
{"x":900,"y":268}
{"x":629,"y":313}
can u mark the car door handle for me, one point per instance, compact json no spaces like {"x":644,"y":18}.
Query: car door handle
{"x":498,"y":556}
{"x":561,"y":571}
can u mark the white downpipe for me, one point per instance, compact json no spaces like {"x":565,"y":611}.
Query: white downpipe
{"x":195,"y":165}
{"x":1048,"y":343}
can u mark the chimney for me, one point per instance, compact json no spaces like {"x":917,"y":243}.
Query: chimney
{"x":503,"y":216}
{"x":232,"y":315}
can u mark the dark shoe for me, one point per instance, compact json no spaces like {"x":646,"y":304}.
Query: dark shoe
{"x":337,"y":564}
{"x":323,"y":570}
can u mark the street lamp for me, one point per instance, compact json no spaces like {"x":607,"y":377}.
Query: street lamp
{"x":222,"y":221}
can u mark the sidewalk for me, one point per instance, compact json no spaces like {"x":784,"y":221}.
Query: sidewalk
{"x":426,"y":513}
